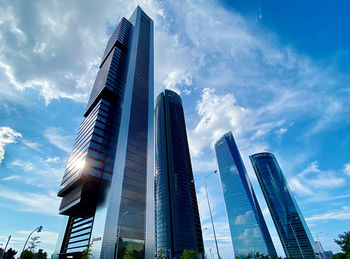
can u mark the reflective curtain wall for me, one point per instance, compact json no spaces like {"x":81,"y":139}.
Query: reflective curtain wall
{"x":177,"y":218}
{"x":108,"y":187}
{"x":249,"y":233}
{"x":293,"y":232}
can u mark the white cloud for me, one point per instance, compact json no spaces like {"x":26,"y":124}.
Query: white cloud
{"x":298,"y":187}
{"x":321,"y":179}
{"x":202,"y":165}
{"x":7,"y":136}
{"x":343,"y":214}
{"x":273,"y":83}
{"x":281,"y":131}
{"x":347,"y":169}
{"x":46,"y":237}
{"x":43,"y":173}
{"x":51,"y":159}
{"x":219,"y":114}
{"x":60,"y":57}
{"x":41,"y":203}
{"x":9,"y":178}
{"x":31,"y":144}
{"x":57,"y":138}
{"x":315,"y":183}
{"x":26,"y":166}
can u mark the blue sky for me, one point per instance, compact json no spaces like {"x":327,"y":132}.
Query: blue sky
{"x":276,"y":73}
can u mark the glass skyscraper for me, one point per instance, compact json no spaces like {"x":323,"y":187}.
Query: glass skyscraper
{"x":178,"y":225}
{"x":108,"y":187}
{"x":248,"y":229}
{"x":294,"y":234}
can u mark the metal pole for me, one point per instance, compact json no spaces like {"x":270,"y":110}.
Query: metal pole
{"x":120,"y":221}
{"x":8,"y":240}
{"x":211,"y":216}
{"x":37,"y":229}
{"x":320,"y":246}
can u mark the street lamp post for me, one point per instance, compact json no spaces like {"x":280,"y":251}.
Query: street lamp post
{"x":8,"y":240}
{"x":318,"y":236}
{"x":38,"y":229}
{"x":322,"y":255}
{"x":211,"y":216}
{"x":120,"y":221}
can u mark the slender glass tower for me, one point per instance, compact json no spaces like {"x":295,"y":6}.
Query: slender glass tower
{"x":178,"y":225}
{"x":248,"y":229}
{"x":108,"y":187}
{"x":294,"y":234}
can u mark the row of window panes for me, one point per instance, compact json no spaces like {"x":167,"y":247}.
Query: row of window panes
{"x":76,"y":156}
{"x":85,"y":231}
{"x":77,"y":244}
{"x":85,"y":132}
{"x":89,"y":224}
{"x":92,"y":113}
{"x":73,"y":250}
{"x":69,"y":177}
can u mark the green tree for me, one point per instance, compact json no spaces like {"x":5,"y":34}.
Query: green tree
{"x":344,"y":243}
{"x":338,"y":256}
{"x":26,"y":254}
{"x":10,"y":254}
{"x":33,"y":243}
{"x":128,"y":255}
{"x":189,"y":254}
{"x":87,"y":252}
{"x":40,"y":255}
{"x":160,"y":255}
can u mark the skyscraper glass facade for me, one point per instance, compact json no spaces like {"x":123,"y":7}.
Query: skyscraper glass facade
{"x":248,"y":229}
{"x":108,"y":187}
{"x":177,"y":218}
{"x":294,"y":234}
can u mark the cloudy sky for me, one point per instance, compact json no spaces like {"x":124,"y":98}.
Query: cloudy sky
{"x":275,"y":73}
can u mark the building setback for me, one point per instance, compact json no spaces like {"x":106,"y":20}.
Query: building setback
{"x":294,"y":234}
{"x":177,"y":218}
{"x":248,"y":229}
{"x":108,"y":187}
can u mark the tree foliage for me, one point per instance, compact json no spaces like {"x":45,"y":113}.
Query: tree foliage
{"x":33,"y":243}
{"x":26,"y":254}
{"x":10,"y":254}
{"x":87,"y":252}
{"x":338,"y":256}
{"x":257,"y":255}
{"x":189,"y":254}
{"x":344,"y":242}
{"x":40,"y":255}
{"x":160,"y":255}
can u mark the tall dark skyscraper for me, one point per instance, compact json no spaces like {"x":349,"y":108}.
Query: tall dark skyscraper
{"x":178,"y":225}
{"x":248,"y":229}
{"x":108,"y":187}
{"x":294,"y":234}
